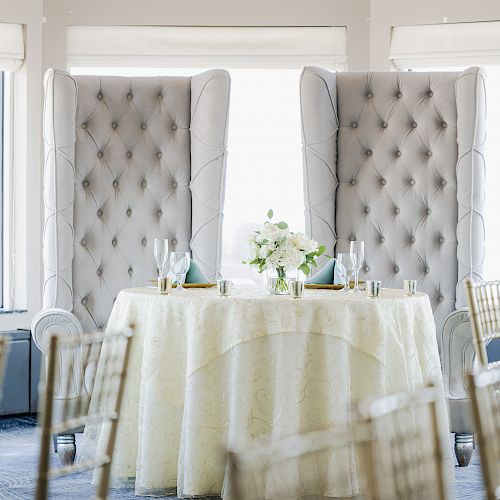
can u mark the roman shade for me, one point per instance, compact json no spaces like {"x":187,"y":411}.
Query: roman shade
{"x":199,"y":47}
{"x":446,"y":45}
{"x":11,"y":46}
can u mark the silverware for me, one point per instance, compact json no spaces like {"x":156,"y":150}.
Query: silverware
{"x":224,"y":287}
{"x":165,"y":285}
{"x":372,"y":288}
{"x":296,"y":288}
{"x":410,"y":287}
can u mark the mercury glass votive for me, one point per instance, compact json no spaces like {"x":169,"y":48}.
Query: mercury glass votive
{"x":296,"y":289}
{"x":373,"y":288}
{"x":224,"y":287}
{"x":410,"y":287}
{"x":165,"y":285}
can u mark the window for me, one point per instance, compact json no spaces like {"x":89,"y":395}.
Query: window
{"x":264,"y":165}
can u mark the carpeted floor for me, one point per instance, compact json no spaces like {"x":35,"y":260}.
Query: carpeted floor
{"x":18,"y":458}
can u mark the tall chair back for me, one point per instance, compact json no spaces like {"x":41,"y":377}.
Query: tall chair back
{"x":396,"y":446}
{"x":485,"y":396}
{"x":103,"y":359}
{"x":483,"y":298}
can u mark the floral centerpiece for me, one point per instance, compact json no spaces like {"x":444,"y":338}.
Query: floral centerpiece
{"x":275,"y":247}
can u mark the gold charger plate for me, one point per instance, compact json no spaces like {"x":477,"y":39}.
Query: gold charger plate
{"x":189,"y":285}
{"x":313,"y":286}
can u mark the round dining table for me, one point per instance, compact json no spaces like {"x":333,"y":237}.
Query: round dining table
{"x":206,"y":371}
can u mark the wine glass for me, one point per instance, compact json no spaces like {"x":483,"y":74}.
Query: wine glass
{"x":357,"y":258}
{"x":345,"y":270}
{"x":161,"y":255}
{"x":179,"y":265}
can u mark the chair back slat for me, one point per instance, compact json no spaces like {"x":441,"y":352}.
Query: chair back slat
{"x":103,"y":358}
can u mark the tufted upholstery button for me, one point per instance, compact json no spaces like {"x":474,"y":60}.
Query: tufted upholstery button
{"x":383,"y":182}
{"x":413,"y":124}
{"x":352,"y":238}
{"x":144,"y":183}
{"x":369,"y":152}
{"x":144,"y":242}
{"x":441,"y":239}
{"x":99,"y":154}
{"x":159,"y":97}
{"x":174,"y":242}
{"x":397,"y":210}
{"x":84,"y":125}
{"x":159,"y":213}
{"x":129,"y":96}
{"x":99,"y":96}
{"x":398,"y":153}
{"x":129,"y":212}
{"x":129,"y":154}
{"x":427,"y":270}
{"x":440,"y":298}
{"x":430,"y":93}
{"x":174,"y":126}
{"x":366,"y":269}
{"x":130,"y":271}
{"x":396,"y":269}
{"x":99,"y":271}
{"x":428,"y":211}
{"x":115,"y":184}
{"x":84,"y":242}
{"x":444,"y":125}
{"x":381,"y":239}
{"x":399,"y":95}
{"x":429,"y":153}
{"x":412,"y":182}
{"x":84,"y":301}
{"x":174,"y":184}
{"x":114,"y":242}
{"x":99,"y":213}
{"x":443,"y":182}
{"x":143,"y":126}
{"x":412,"y":239}
{"x":367,"y":210}
{"x":354,"y":125}
{"x":85,"y":183}
{"x":353,"y":182}
{"x":159,"y":155}
{"x":385,"y":124}
{"x":369,"y":95}
{"x":114,"y":125}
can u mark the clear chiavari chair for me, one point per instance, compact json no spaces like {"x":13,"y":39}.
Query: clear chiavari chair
{"x":103,"y":359}
{"x":485,"y":397}
{"x":397,"y":443}
{"x":483,"y":298}
{"x":4,"y":352}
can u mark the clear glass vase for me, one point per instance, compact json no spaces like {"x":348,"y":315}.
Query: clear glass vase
{"x":278,"y":279}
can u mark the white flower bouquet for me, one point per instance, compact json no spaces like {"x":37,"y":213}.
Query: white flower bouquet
{"x":274,"y":246}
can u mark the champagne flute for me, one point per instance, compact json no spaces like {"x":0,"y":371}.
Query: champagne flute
{"x":357,"y":258}
{"x":345,"y":269}
{"x":179,"y":265}
{"x":161,"y":255}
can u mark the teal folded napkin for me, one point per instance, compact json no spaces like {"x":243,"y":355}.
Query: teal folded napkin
{"x":195,"y":274}
{"x":325,"y":276}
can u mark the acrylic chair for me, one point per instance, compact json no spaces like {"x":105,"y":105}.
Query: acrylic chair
{"x":398,"y":444}
{"x":103,"y":358}
{"x":483,"y":298}
{"x":485,"y":397}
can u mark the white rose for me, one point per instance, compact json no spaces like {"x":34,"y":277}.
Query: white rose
{"x":302,"y":242}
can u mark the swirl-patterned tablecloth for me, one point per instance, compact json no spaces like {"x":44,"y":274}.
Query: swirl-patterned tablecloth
{"x":206,"y":370}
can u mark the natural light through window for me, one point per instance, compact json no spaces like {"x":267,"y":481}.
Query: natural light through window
{"x":264,"y":165}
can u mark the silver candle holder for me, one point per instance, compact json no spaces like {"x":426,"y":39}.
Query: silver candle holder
{"x":296,"y":288}
{"x":224,"y":287}
{"x":373,"y":288}
{"x":410,"y":287}
{"x":165,"y":285}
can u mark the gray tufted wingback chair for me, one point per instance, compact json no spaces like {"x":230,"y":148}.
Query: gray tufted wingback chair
{"x":395,"y":159}
{"x":126,"y":160}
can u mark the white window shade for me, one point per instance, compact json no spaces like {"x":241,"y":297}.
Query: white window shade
{"x":11,"y":46}
{"x":446,"y":45}
{"x":198,"y":47}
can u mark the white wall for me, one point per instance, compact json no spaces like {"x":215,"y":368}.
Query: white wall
{"x":368,"y":22}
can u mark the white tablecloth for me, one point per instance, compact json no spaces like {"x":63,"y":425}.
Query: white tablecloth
{"x":205,"y":371}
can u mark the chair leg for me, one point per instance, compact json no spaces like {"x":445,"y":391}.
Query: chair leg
{"x":464,"y":444}
{"x":66,"y":448}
